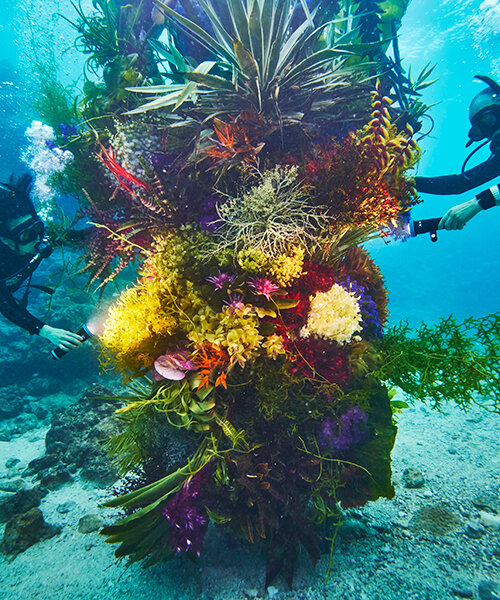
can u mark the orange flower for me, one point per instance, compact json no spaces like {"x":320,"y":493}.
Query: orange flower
{"x":211,"y":360}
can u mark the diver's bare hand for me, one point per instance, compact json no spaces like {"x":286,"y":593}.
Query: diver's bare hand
{"x":61,"y":337}
{"x":458,"y":215}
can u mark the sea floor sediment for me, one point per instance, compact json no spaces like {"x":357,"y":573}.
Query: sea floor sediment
{"x":437,"y":541}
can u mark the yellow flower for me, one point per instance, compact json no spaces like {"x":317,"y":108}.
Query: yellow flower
{"x":287,"y":267}
{"x":334,"y":315}
{"x":274,"y":346}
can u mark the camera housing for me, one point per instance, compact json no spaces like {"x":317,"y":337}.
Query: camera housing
{"x":425,"y":226}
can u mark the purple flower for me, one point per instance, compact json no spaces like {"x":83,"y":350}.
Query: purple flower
{"x":235,"y":302}
{"x":221,"y":279}
{"x":67,"y":130}
{"x":263,"y":286}
{"x":187,"y":515}
{"x":349,"y":430}
{"x":371,"y":322}
{"x":50,"y":144}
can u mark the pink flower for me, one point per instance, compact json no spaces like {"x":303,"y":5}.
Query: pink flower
{"x":263,"y":286}
{"x":173,"y":366}
{"x":220,"y":279}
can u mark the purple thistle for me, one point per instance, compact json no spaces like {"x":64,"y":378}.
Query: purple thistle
{"x":235,"y":302}
{"x":263,"y":286}
{"x":187,"y":515}
{"x":349,"y":430}
{"x":221,"y":279}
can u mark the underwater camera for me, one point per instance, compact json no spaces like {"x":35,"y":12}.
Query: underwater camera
{"x":425,"y":226}
{"x":84,"y":332}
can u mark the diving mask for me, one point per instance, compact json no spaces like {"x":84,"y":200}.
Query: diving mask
{"x":27,"y":232}
{"x":484,"y":113}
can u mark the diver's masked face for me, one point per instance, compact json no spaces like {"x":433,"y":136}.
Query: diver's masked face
{"x":25,"y":235}
{"x":484,"y":115}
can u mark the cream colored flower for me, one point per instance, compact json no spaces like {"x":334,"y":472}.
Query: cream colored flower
{"x":334,"y":315}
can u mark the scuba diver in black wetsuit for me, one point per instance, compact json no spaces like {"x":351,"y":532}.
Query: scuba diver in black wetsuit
{"x":22,"y":248}
{"x":484,"y":115}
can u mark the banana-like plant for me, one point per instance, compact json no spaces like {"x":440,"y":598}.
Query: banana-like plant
{"x":260,"y":62}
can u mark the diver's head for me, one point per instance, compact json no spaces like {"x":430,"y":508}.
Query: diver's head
{"x":20,"y":227}
{"x":23,"y":234}
{"x":484,"y":115}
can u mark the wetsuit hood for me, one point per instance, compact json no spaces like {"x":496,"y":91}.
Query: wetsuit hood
{"x":484,"y":114}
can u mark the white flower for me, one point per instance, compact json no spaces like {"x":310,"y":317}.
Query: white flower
{"x":334,"y":315}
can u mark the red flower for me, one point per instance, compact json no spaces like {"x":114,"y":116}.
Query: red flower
{"x":318,"y":358}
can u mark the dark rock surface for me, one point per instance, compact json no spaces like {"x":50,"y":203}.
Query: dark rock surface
{"x":75,"y":442}
{"x":12,"y":404}
{"x":18,"y":425}
{"x":24,"y":530}
{"x":19,"y":503}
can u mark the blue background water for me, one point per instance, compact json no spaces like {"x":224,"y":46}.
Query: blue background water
{"x":460,"y":273}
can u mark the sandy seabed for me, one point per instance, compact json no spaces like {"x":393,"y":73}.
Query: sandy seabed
{"x":379,"y":552}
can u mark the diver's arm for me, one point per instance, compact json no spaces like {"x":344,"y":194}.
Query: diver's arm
{"x":17,"y":314}
{"x":459,"y":215}
{"x":458,"y":184}
{"x":12,"y":310}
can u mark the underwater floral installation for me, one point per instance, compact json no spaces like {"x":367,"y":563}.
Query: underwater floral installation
{"x":242,"y":161}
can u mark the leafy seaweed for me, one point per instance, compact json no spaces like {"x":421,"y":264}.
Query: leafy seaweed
{"x":448,"y":362}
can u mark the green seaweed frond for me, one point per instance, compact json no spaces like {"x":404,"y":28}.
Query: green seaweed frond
{"x":447,"y":362}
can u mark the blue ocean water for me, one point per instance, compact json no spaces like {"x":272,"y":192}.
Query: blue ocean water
{"x":459,"y":274}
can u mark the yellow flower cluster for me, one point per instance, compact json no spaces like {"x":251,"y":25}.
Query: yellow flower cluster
{"x":397,"y":151}
{"x":252,"y":259}
{"x":334,"y":315}
{"x":134,"y":323}
{"x":158,"y":307}
{"x":288,"y":266}
{"x":235,"y":330}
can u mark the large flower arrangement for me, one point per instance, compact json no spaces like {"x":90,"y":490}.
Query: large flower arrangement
{"x":252,"y":341}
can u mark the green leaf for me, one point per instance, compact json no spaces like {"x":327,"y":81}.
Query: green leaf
{"x":240,"y":20}
{"x":284,"y":304}
{"x":196,"y":31}
{"x":291,"y":47}
{"x":221,"y":33}
{"x":256,"y":35}
{"x":211,"y":81}
{"x":313,"y":61}
{"x":203,"y":68}
{"x":245,"y":60}
{"x":217,"y":519}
